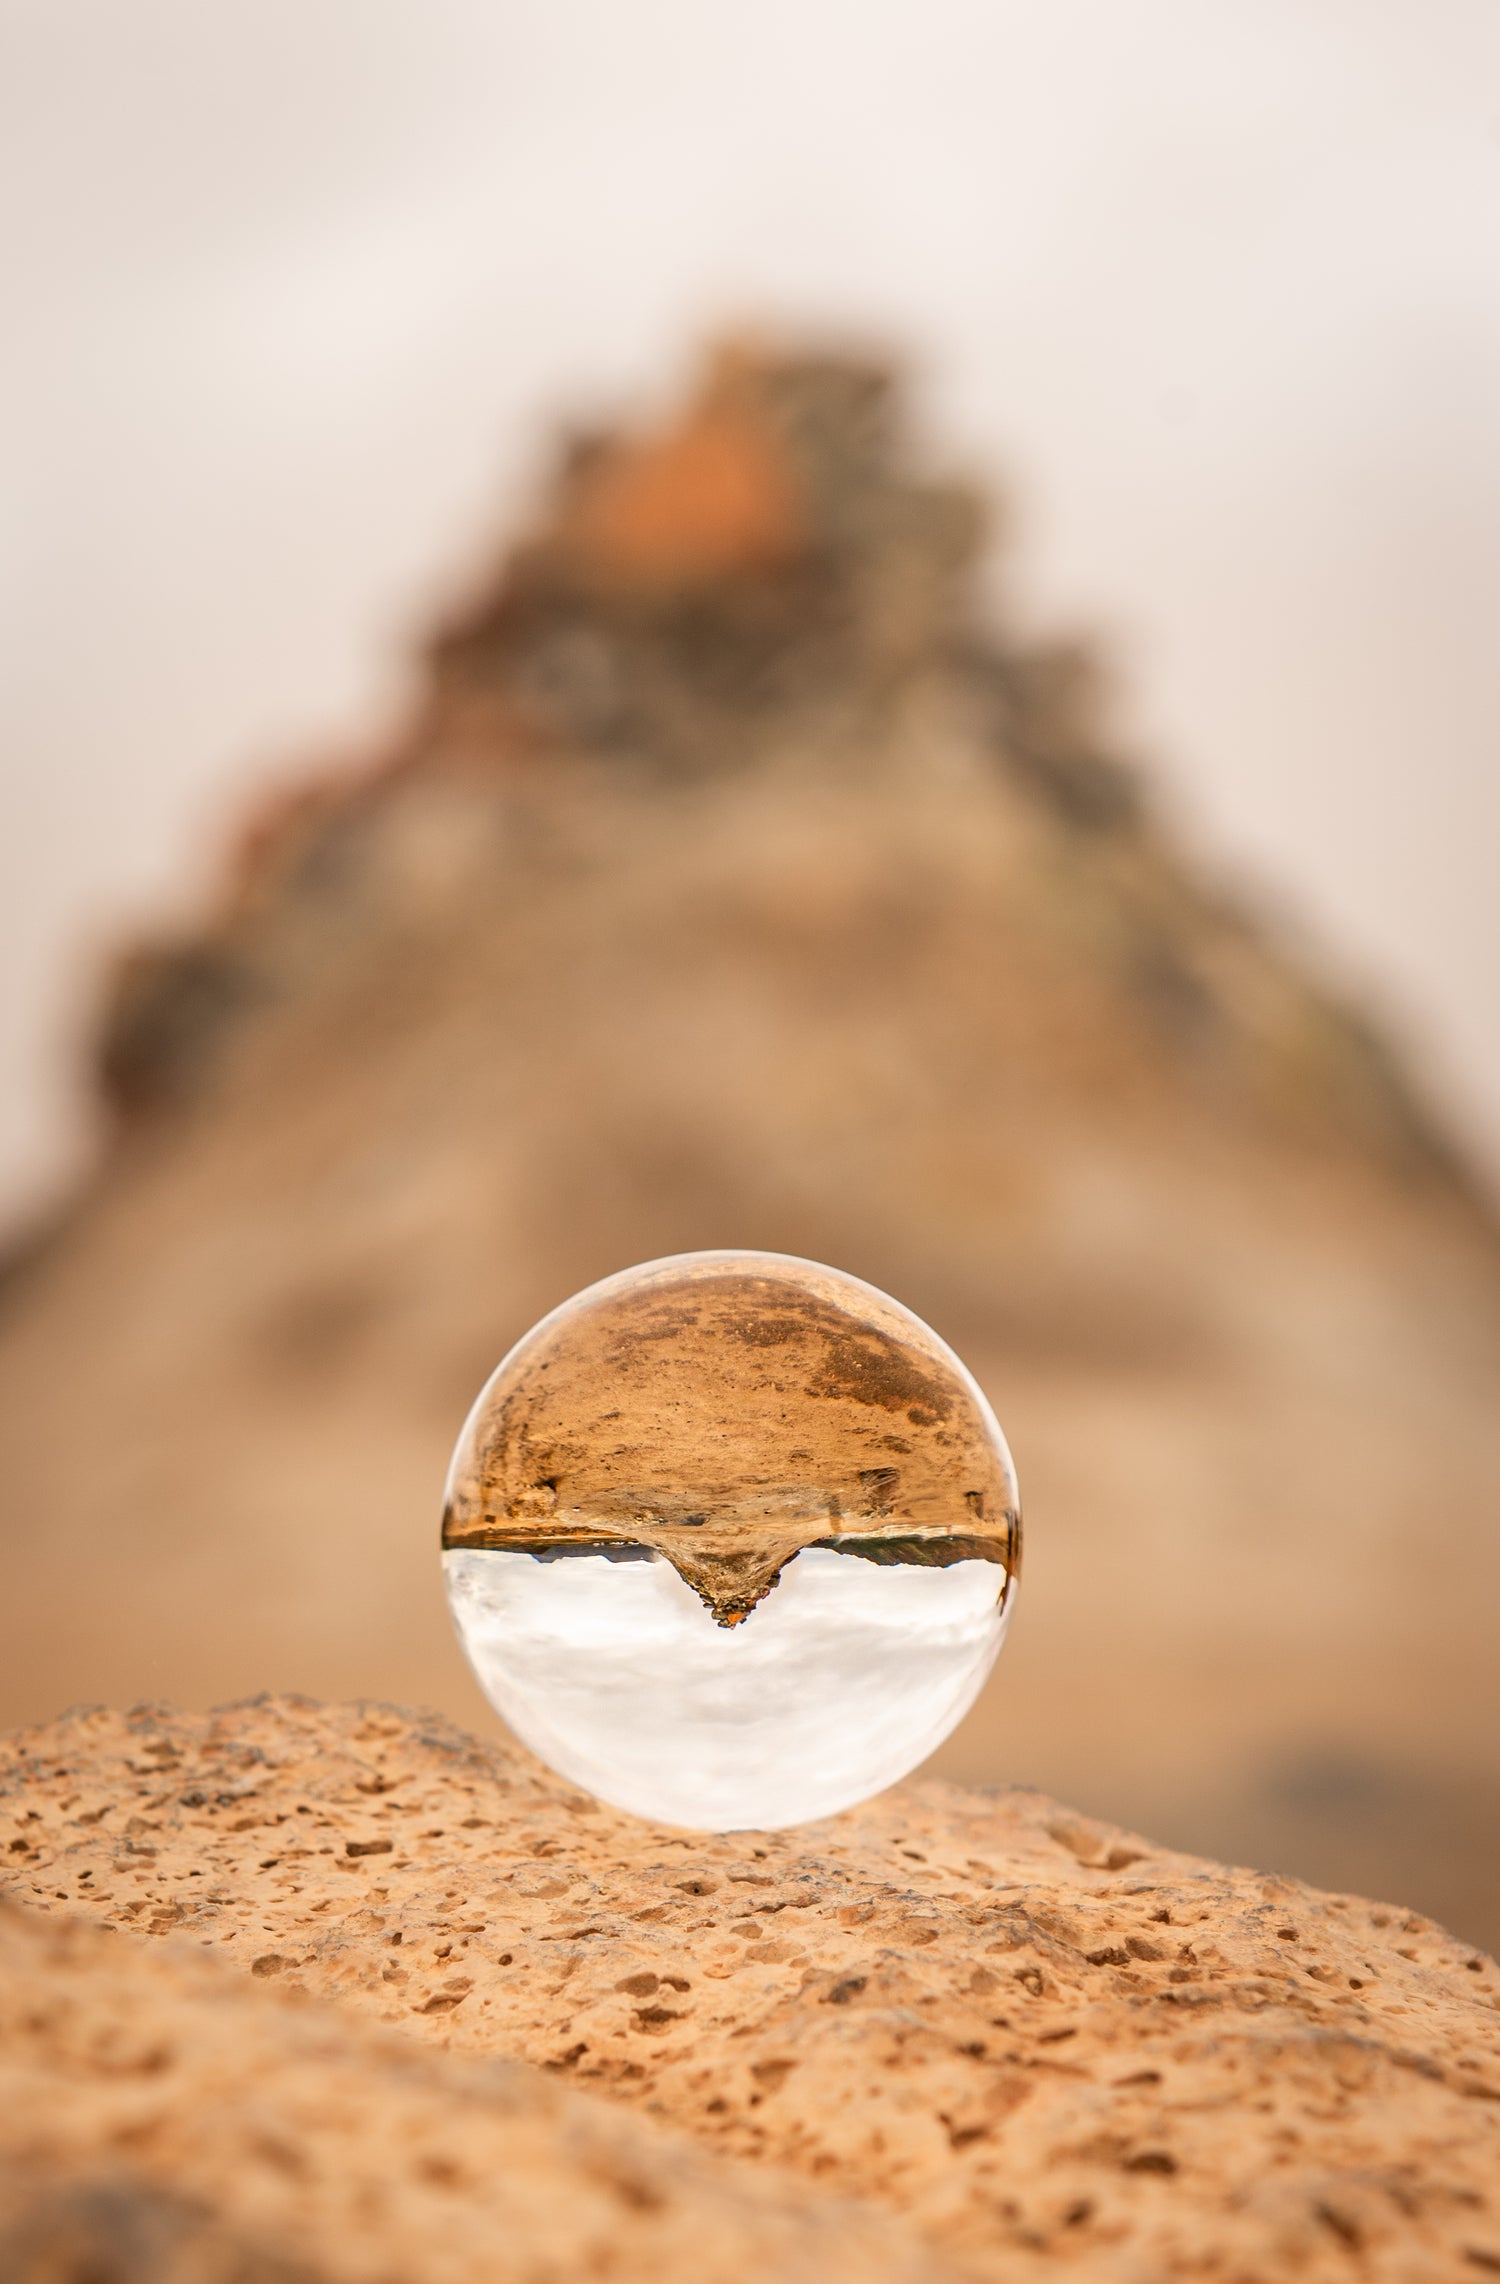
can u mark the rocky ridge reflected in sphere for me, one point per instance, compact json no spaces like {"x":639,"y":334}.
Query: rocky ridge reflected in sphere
{"x":731,"y":1540}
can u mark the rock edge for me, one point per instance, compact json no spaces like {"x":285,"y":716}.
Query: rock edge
{"x":1032,"y":2036}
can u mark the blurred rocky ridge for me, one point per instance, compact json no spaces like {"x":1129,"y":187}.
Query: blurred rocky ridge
{"x":736,"y":882}
{"x":771,"y":575}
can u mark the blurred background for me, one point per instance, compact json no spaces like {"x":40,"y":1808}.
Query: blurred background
{"x":761,"y":855}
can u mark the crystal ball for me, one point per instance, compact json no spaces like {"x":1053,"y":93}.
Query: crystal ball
{"x":731,"y":1540}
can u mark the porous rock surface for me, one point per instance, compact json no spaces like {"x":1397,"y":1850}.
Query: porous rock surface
{"x":1031,"y":2037}
{"x":168,"y":2123}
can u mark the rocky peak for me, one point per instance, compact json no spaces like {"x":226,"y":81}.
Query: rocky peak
{"x":740,"y":880}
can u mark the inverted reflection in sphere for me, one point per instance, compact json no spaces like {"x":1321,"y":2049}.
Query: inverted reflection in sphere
{"x":731,"y":1540}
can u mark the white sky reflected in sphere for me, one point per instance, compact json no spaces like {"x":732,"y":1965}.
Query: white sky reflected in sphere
{"x":731,"y":1539}
{"x":845,"y":1677}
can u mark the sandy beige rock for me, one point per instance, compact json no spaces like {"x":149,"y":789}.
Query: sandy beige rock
{"x":1036,"y":2037}
{"x":166,"y":2122}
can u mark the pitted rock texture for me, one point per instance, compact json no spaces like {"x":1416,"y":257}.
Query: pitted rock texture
{"x":165,"y":2122}
{"x":1034,"y":2036}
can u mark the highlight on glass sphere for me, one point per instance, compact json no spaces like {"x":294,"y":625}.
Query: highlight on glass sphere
{"x":731,"y":1540}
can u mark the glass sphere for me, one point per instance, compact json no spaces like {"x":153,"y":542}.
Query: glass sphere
{"x":731,"y":1540}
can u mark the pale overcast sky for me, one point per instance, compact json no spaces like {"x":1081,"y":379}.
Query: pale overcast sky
{"x":294,"y":288}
